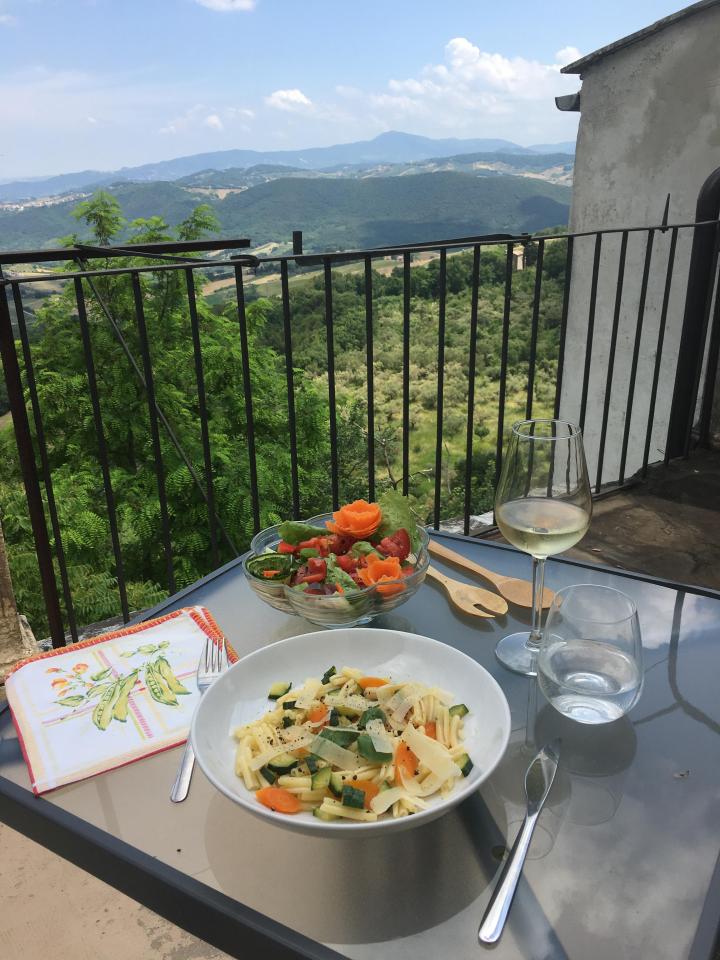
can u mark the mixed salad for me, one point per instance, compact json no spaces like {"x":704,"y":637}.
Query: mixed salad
{"x":364,"y":545}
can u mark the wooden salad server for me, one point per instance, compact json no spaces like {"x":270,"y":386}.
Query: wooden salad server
{"x":475,"y":601}
{"x":515,"y":591}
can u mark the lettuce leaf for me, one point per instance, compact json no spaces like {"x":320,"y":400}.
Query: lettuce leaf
{"x":396,"y":513}
{"x":335,"y":574}
{"x":361,"y":548}
{"x":295,"y":532}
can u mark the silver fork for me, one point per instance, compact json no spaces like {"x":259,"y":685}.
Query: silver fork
{"x":213,"y":662}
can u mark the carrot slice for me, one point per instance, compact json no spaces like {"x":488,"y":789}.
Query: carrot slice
{"x":279,"y":800}
{"x":270,"y":573}
{"x":405,"y":761}
{"x":318,"y":714}
{"x":366,"y":682}
{"x":431,"y":729}
{"x":369,"y":788}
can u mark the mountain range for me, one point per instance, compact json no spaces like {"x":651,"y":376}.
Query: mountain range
{"x":335,"y":213}
{"x":392,"y":147}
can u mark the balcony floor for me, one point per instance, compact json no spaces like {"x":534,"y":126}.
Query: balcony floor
{"x":668,"y":526}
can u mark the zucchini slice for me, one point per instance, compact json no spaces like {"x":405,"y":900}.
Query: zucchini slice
{"x":352,"y":797}
{"x":336,"y":784}
{"x":321,"y":779}
{"x":343,"y":738}
{"x":283,"y":763}
{"x":330,"y":672}
{"x":465,"y":764}
{"x":372,"y":713}
{"x":279,"y":689}
{"x":267,"y":774}
{"x":459,"y":710}
{"x":367,"y":749}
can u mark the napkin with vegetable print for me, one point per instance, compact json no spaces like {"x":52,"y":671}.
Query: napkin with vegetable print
{"x":96,"y":705}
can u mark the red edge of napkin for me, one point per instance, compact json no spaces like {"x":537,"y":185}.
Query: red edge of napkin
{"x":205,"y":621}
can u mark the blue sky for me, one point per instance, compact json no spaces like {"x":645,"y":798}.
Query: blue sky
{"x":106,"y":83}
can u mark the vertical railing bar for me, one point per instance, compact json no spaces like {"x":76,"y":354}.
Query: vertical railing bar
{"x":44,"y":460}
{"x":102,"y":447}
{"x":563,"y":327}
{"x":611,"y":358}
{"x":330,"y":341}
{"x":290,"y":380}
{"x":370,"y":361}
{"x":406,"y":376}
{"x":534,"y":329}
{"x":503,"y":361}
{"x":247,"y":390}
{"x":202,"y":409}
{"x":154,"y":431}
{"x":659,"y":348}
{"x":703,"y":341}
{"x":590,"y":330}
{"x":158,"y":409}
{"x":28,"y":468}
{"x":636,"y":351}
{"x":474,"y":295}
{"x":440,"y":386}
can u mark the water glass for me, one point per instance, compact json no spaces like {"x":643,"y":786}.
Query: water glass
{"x":590,"y":659}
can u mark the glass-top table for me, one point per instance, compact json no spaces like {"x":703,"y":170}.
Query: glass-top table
{"x":624,"y":862}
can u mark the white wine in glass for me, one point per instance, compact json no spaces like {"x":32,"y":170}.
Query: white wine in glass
{"x":543,"y":506}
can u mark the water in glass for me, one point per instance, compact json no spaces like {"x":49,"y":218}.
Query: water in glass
{"x":589,"y":681}
{"x":590,"y":660}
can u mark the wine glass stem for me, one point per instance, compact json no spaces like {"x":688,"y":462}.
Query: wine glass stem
{"x":538,"y":586}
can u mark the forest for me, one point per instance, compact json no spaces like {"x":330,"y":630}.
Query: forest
{"x":59,"y":366}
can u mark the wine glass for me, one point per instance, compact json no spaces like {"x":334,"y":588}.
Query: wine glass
{"x":542,"y":506}
{"x":590,"y":660}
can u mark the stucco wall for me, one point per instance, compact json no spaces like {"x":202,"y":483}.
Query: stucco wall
{"x":649,"y":126}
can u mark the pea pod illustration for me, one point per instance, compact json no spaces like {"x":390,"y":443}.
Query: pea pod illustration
{"x":120,"y":710}
{"x":103,"y":712}
{"x":165,"y":670}
{"x":159,"y":690}
{"x":97,"y":690}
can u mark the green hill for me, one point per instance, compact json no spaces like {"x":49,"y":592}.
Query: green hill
{"x":333,"y":213}
{"x":342,"y":214}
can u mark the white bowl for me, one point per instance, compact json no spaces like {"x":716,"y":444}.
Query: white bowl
{"x":240,"y":695}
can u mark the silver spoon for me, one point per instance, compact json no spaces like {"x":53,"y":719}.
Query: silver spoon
{"x":538,"y":780}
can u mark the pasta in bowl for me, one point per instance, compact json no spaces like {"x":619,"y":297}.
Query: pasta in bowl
{"x":407,"y":731}
{"x":354,"y":747}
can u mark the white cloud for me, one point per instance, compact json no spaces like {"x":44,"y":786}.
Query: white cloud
{"x":228,"y":6}
{"x":475,"y":92}
{"x":567,"y":55}
{"x":7,"y":20}
{"x":91,"y":120}
{"x":200,"y":115}
{"x":293,"y":101}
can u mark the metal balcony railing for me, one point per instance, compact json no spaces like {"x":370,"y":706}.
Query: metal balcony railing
{"x":622,"y":316}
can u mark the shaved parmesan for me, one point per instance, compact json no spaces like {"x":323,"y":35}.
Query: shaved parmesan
{"x":386,"y":798}
{"x":335,"y":755}
{"x":429,"y":785}
{"x":349,"y":701}
{"x":380,"y":740}
{"x":434,"y":755}
{"x":308,"y":694}
{"x":302,"y":739}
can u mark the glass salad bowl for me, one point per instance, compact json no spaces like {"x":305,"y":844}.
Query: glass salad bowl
{"x":335,"y":610}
